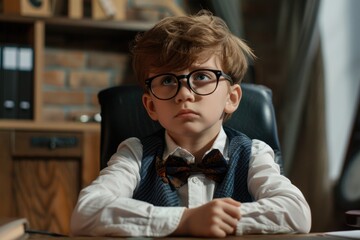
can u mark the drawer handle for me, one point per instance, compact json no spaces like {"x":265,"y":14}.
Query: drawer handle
{"x":54,"y":142}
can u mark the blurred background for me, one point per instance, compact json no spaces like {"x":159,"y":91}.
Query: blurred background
{"x":307,"y":54}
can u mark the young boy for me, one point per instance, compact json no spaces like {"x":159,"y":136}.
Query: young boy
{"x":190,"y":68}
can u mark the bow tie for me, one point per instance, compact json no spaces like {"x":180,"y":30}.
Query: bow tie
{"x":175,"y":170}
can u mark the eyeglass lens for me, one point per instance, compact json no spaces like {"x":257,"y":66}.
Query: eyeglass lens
{"x":202,"y":82}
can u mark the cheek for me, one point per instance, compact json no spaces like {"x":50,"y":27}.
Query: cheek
{"x":162,"y":109}
{"x":223,"y":103}
{"x":215,"y":104}
{"x":223,"y":97}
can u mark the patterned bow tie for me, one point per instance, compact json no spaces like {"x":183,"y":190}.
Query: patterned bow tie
{"x":176,"y":170}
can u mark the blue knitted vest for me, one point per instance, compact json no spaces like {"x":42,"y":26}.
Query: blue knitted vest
{"x":153,"y":190}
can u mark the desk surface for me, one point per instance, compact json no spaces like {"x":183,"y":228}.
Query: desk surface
{"x":312,"y":236}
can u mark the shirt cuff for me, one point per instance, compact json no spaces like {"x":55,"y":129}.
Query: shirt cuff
{"x":261,"y":220}
{"x":164,"y":222}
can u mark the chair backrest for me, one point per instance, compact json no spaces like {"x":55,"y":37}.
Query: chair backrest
{"x":124,"y":116}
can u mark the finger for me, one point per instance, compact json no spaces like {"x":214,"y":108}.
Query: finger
{"x":230,"y":220}
{"x":218,"y":233}
{"x":228,"y":225}
{"x":232,"y":202}
{"x":232,"y":211}
{"x":228,"y":217}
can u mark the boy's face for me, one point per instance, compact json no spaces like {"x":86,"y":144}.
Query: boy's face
{"x":189,"y":114}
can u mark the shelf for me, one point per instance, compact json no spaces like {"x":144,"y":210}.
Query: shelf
{"x":132,"y":25}
{"x":129,"y":25}
{"x":82,"y":33}
{"x":85,"y":34}
{"x":48,"y":126}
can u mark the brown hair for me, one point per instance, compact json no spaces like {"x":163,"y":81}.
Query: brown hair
{"x":175,"y":43}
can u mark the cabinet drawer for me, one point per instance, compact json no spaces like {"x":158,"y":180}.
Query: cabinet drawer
{"x":46,"y":144}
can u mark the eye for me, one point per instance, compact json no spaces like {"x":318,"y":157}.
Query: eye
{"x":168,"y":80}
{"x":202,"y":76}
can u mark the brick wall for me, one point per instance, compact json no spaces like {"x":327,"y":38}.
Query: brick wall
{"x":73,"y":78}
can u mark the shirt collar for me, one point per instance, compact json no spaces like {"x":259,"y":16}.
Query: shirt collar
{"x":172,"y":148}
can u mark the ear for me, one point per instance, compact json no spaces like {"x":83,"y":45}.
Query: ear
{"x":234,"y":98}
{"x":149,"y":106}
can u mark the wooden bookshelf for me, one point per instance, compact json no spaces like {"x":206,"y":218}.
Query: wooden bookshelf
{"x":26,"y":169}
{"x":40,"y":32}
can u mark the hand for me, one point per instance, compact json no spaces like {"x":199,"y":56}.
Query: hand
{"x":217,"y":218}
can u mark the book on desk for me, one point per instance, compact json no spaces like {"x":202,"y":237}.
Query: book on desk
{"x":13,"y":228}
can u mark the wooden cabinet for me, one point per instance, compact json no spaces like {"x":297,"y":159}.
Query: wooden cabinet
{"x":42,"y":173}
{"x":45,"y":164}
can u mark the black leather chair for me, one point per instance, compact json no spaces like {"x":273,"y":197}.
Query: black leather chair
{"x":124,"y":116}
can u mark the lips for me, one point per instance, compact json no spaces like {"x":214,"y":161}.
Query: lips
{"x":185,"y":112}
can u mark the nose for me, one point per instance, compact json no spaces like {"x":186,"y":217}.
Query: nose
{"x":185,"y":93}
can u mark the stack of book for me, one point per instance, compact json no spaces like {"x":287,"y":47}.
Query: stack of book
{"x":13,"y":228}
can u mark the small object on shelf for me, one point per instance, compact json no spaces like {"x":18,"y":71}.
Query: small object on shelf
{"x":170,"y":6}
{"x":109,"y":9}
{"x":88,"y":118}
{"x":155,"y":10}
{"x":353,"y":218}
{"x":27,"y":7}
{"x":75,"y":9}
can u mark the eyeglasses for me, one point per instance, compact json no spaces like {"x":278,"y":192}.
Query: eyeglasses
{"x":201,"y":81}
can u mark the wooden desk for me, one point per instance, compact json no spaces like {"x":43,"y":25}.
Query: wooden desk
{"x":312,"y":236}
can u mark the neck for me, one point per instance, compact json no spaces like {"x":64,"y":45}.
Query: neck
{"x":196,"y":144}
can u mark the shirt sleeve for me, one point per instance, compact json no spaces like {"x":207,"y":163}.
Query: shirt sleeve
{"x":106,"y":207}
{"x":279,"y":206}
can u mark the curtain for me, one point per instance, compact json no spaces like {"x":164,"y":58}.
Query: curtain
{"x":309,"y":169}
{"x":302,"y":114}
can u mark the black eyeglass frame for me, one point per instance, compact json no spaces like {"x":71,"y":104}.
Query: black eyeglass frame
{"x":218,"y":74}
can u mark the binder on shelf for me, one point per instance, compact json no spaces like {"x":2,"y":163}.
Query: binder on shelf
{"x":25,"y":83}
{"x":9,"y":75}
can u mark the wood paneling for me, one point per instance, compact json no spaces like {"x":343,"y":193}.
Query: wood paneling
{"x":45,"y":191}
{"x":42,"y":183}
{"x":5,"y":175}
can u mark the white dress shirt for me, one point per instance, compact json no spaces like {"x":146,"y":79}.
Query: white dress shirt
{"x":106,"y":207}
